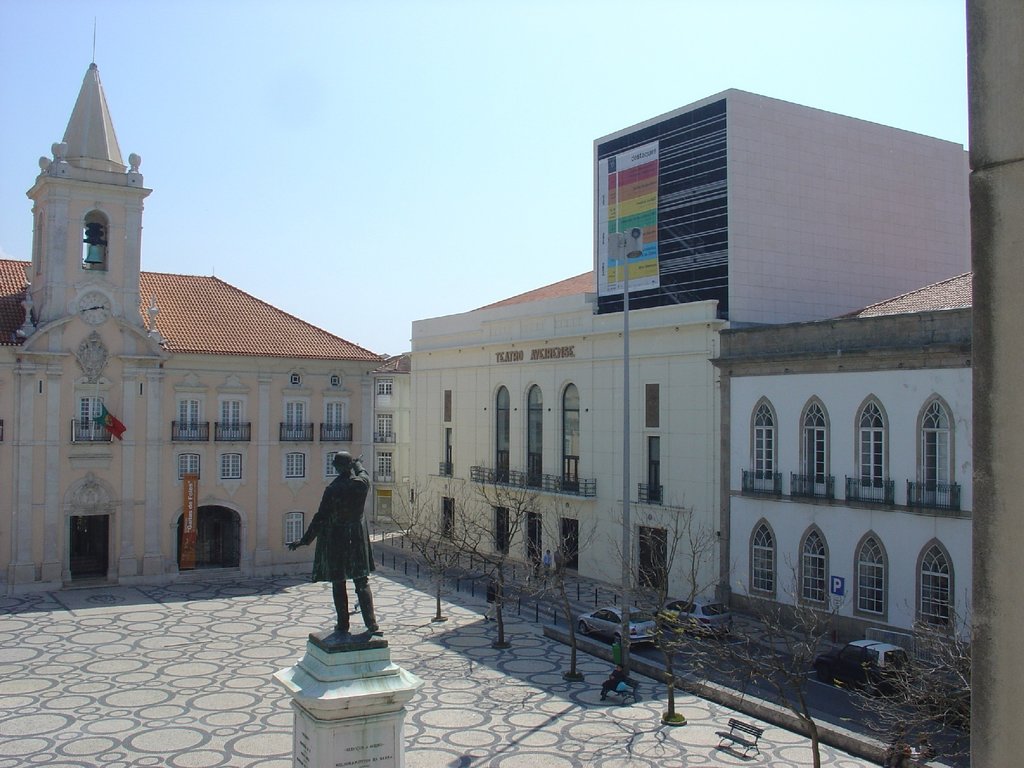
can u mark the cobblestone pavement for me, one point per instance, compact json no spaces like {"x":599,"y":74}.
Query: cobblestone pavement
{"x":181,"y":676}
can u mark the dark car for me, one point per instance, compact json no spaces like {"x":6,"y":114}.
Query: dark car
{"x":861,"y":664}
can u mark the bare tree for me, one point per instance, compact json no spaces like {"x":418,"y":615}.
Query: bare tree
{"x":925,"y":706}
{"x":683,"y":545}
{"x":555,"y":580}
{"x":435,"y":525}
{"x":491,"y":534}
{"x":777,"y":656}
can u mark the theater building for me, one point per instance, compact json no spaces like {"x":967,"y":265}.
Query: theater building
{"x":735,"y":211}
{"x":152,"y":425}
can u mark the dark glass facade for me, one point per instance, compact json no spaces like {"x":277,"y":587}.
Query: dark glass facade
{"x":693,"y":219}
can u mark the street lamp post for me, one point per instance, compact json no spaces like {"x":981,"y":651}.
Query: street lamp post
{"x":627,"y":246}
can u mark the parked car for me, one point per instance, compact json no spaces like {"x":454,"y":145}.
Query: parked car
{"x":700,"y":616}
{"x":861,"y":664}
{"x":608,"y":622}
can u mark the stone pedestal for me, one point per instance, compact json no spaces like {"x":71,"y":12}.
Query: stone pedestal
{"x":349,"y":701}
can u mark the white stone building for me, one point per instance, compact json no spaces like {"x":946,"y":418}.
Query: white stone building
{"x":747,"y":211}
{"x":392,"y":436}
{"x":848,"y":472}
{"x":231,"y":408}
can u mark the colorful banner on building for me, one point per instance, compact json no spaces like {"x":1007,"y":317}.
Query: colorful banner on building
{"x":190,"y":511}
{"x":628,"y":197}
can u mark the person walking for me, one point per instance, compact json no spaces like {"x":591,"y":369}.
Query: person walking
{"x":492,"y":600}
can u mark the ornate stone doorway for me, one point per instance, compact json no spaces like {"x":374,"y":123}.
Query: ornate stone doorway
{"x":218,"y":537}
{"x":89,"y":546}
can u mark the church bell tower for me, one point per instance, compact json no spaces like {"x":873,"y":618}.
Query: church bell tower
{"x":87,"y":221}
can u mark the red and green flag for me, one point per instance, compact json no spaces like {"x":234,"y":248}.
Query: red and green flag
{"x":110,"y":421}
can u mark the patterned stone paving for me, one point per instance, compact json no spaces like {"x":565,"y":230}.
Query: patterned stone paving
{"x":181,"y":676}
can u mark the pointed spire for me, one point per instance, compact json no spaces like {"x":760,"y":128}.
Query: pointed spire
{"x":90,"y":135}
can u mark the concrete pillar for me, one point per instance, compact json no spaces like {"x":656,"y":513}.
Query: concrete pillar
{"x":995,"y":29}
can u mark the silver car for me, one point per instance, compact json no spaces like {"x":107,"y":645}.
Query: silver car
{"x":608,"y":622}
{"x":699,"y":616}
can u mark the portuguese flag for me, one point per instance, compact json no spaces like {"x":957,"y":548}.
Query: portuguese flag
{"x":110,"y":421}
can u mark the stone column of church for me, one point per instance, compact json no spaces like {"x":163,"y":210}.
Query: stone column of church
{"x":22,"y":569}
{"x":127,"y":565}
{"x":56,"y":528}
{"x":156,"y":523}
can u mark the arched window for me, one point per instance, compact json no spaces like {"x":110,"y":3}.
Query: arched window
{"x":763,"y":449}
{"x":764,"y":441}
{"x":935,"y":467}
{"x":501,"y":435}
{"x":813,"y":568}
{"x":94,"y":241}
{"x":534,"y":437}
{"x":815,"y":447}
{"x":872,"y":446}
{"x":571,"y":438}
{"x":870,"y":584}
{"x":762,"y":560}
{"x":936,"y":586}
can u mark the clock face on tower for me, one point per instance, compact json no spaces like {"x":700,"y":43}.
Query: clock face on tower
{"x":94,"y":307}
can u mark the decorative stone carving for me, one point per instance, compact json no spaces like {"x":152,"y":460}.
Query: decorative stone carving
{"x":92,"y":356}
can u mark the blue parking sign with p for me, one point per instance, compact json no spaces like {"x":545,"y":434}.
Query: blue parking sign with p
{"x":838,"y":586}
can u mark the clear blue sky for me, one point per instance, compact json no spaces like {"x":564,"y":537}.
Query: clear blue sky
{"x":366,"y":164}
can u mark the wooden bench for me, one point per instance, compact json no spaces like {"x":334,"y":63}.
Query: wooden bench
{"x":741,"y":733}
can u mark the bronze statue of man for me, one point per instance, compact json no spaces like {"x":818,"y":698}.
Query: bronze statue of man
{"x":342,"y":542}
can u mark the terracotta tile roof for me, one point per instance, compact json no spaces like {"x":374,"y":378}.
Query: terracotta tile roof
{"x":396,"y":364}
{"x":204,"y":315}
{"x":953,"y":293}
{"x":12,"y":291}
{"x":573,"y":286}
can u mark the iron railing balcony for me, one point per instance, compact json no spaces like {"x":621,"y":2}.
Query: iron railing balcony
{"x":934,"y":495}
{"x":232,"y":431}
{"x":649,"y":494}
{"x":572,"y":486}
{"x":379,"y":477}
{"x":296,"y":433}
{"x":445,"y":469}
{"x":190,"y":431}
{"x":762,"y":481}
{"x":871,"y":491}
{"x":88,"y":431}
{"x":384,"y":437}
{"x":335,"y":433}
{"x":812,"y":486}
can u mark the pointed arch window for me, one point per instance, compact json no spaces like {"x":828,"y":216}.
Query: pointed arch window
{"x":813,"y":568}
{"x":871,"y":577}
{"x":571,"y":438}
{"x":762,"y":560}
{"x":936,"y":586}
{"x":501,"y":435}
{"x":872,"y":446}
{"x":94,"y":241}
{"x":534,"y":437}
{"x":815,"y":444}
{"x":934,"y":446}
{"x":764,"y":442}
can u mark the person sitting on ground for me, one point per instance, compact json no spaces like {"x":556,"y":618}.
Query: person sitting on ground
{"x":617,"y":681}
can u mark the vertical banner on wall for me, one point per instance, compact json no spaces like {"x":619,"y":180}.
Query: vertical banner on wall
{"x":190,"y":494}
{"x":628,"y":197}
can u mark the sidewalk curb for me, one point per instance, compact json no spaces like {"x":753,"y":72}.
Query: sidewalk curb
{"x":834,"y":736}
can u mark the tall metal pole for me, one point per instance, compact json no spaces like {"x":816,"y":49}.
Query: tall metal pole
{"x":627,"y":547}
{"x":626,"y":249}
